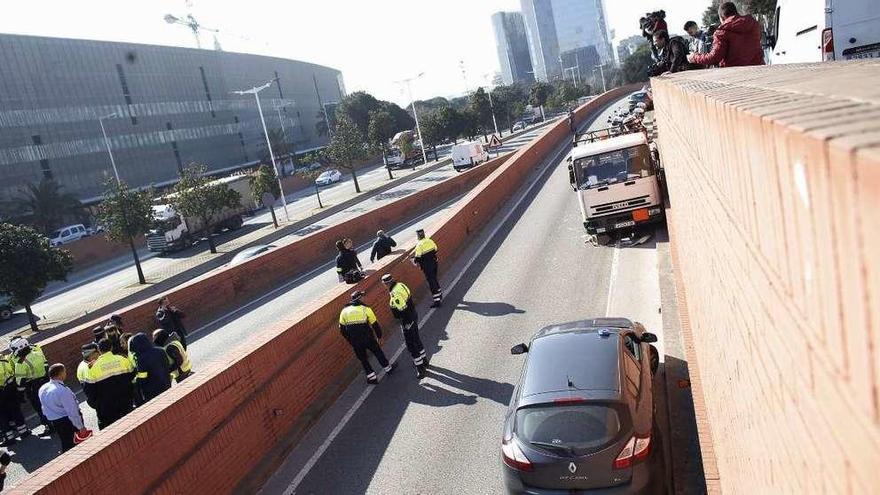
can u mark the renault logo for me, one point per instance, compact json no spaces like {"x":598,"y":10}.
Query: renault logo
{"x":572,"y":467}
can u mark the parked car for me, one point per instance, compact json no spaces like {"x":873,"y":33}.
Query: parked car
{"x":468,"y":154}
{"x":68,"y":234}
{"x":6,"y":309}
{"x":328,"y":177}
{"x":582,"y":415}
{"x":519,"y":126}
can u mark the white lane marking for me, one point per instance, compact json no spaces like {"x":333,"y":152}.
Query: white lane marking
{"x":366,"y":393}
{"x":615,"y":260}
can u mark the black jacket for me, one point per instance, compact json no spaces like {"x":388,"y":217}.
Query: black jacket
{"x":673,"y":57}
{"x":382,"y":247}
{"x":170,"y":319}
{"x":346,"y":261}
{"x":153,"y":374}
{"x":111,"y":395}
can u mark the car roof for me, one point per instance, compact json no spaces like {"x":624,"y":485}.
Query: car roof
{"x":581,"y":356}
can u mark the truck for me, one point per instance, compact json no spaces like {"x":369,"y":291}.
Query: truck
{"x":616,"y":175}
{"x":395,"y":157}
{"x":822,"y":30}
{"x":173,"y":232}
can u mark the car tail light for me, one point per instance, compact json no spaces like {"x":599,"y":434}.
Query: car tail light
{"x":827,"y":44}
{"x":635,"y":450}
{"x":514,"y":457}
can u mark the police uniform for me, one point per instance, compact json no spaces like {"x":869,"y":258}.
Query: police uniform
{"x":111,"y":381}
{"x":12,"y":422}
{"x":31,"y":372}
{"x":403,"y":308}
{"x":359,"y":326}
{"x":425,"y":256}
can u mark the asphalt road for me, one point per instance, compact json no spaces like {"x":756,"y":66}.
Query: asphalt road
{"x":91,"y":290}
{"x":442,"y":435}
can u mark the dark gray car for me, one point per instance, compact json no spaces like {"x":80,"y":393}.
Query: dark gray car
{"x":582,"y":416}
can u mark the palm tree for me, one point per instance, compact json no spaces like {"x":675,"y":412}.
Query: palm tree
{"x":46,"y":206}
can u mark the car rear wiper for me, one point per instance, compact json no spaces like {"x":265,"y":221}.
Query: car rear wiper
{"x":558,"y":448}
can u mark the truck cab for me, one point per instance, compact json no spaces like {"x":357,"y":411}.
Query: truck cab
{"x":615,"y":176}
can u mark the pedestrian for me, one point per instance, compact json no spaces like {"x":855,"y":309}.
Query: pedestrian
{"x":382,"y":246}
{"x":737,"y":41}
{"x":699,"y":42}
{"x":98,"y":333}
{"x":116,"y":321}
{"x":60,"y":406}
{"x":672,"y":54}
{"x":170,"y":318}
{"x":571,"y":124}
{"x":30,"y":374}
{"x":425,"y":256}
{"x":111,"y":376}
{"x":5,"y":459}
{"x":90,"y":354}
{"x":348,"y":266}
{"x":12,"y":422}
{"x":359,"y":326}
{"x":404,"y":309}
{"x":178,"y":358}
{"x":153,"y":375}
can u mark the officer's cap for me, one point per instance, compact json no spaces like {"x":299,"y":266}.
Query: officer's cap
{"x":90,"y":347}
{"x":356,"y":295}
{"x":387,"y":278}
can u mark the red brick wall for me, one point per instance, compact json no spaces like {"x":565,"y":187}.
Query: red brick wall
{"x":207,"y":434}
{"x":91,"y":250}
{"x":774,"y":180}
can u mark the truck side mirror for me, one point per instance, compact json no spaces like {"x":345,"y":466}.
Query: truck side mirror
{"x":571,"y":178}
{"x":648,"y":338}
{"x":519,"y":349}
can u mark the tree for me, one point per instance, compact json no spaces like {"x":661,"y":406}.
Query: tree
{"x":321,"y":127}
{"x":710,"y":16}
{"x":347,"y":147}
{"x":265,"y":181}
{"x":450,"y":121}
{"x":510,"y":102}
{"x":27,"y":263}
{"x":125,"y":214}
{"x":311,"y":175}
{"x":405,"y":144}
{"x":401,"y":118}
{"x":357,"y":107}
{"x":380,"y":131}
{"x":280,"y":147}
{"x":635,"y":67}
{"x":479,"y":106}
{"x":432,"y":131}
{"x":45,"y":206}
{"x":199,"y":197}
{"x":469,"y":124}
{"x":539,"y":93}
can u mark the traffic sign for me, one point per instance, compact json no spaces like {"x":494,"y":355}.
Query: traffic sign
{"x":494,"y":141}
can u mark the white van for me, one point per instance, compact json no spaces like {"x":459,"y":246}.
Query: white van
{"x":68,"y":234}
{"x":468,"y":154}
{"x":819,"y":30}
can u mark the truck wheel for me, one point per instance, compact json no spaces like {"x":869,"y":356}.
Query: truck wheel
{"x":5,"y":313}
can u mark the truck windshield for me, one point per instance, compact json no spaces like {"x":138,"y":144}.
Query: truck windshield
{"x":612,"y":167}
{"x":166,"y":225}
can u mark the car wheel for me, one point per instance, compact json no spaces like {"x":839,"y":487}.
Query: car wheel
{"x":5,"y":314}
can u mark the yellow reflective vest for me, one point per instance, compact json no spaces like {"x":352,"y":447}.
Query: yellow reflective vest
{"x":33,"y":366}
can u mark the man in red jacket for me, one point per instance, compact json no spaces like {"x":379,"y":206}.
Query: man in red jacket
{"x":737,"y":41}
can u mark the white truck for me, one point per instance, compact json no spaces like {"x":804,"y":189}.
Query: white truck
{"x":173,"y":232}
{"x":821,"y":30}
{"x":615,"y":175}
{"x":468,"y":154}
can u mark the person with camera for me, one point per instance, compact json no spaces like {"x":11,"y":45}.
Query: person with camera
{"x":650,"y":24}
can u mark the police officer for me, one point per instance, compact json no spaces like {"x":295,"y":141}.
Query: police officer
{"x":178,"y":358}
{"x":425,"y":256}
{"x":111,"y":376}
{"x":403,"y":308}
{"x":31,"y":372}
{"x":90,"y":354}
{"x":359,"y":326}
{"x":12,"y":423}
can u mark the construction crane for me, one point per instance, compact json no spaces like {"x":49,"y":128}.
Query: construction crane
{"x":191,"y":22}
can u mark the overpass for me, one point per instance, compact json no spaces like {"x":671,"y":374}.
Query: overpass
{"x":771,"y":173}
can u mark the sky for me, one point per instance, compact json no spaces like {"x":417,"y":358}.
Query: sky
{"x":375,"y":43}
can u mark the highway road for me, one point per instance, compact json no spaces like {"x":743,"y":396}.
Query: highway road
{"x":88,"y":292}
{"x":212,"y":340}
{"x":442,"y":435}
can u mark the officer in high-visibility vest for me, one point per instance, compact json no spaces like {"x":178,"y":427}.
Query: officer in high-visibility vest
{"x":359,"y":326}
{"x":111,"y":376}
{"x":31,"y":372}
{"x":178,"y":358}
{"x":425,"y":256}
{"x":404,"y":309}
{"x":90,"y":354}
{"x":12,"y":423}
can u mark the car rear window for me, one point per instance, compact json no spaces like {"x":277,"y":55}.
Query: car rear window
{"x":577,"y":428}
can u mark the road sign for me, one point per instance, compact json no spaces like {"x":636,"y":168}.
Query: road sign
{"x":494,"y":141}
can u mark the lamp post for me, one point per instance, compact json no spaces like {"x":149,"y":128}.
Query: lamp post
{"x":491,"y":104}
{"x":107,"y":143}
{"x":256,"y":92}
{"x":415,"y":114}
{"x":602,"y":73}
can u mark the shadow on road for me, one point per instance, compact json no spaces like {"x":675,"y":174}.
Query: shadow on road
{"x":489,"y":308}
{"x":397,"y":194}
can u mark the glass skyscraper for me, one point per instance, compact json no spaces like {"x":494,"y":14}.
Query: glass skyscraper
{"x":513,"y":47}
{"x":567,"y":38}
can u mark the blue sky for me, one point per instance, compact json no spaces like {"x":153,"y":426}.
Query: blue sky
{"x":373,"y":42}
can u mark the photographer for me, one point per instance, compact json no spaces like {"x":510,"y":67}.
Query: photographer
{"x":650,"y":24}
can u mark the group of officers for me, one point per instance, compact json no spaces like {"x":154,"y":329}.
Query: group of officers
{"x":359,"y":326}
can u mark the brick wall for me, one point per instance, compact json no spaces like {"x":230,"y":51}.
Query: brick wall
{"x":207,"y":434}
{"x":95,"y":249}
{"x":774,"y":183}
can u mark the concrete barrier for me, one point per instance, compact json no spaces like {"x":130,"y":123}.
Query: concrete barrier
{"x":774,"y":183}
{"x":226,"y":423}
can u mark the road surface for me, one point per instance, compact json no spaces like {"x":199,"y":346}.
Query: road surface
{"x":88,"y":293}
{"x":442,"y":435}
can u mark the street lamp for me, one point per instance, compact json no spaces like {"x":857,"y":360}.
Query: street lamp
{"x":107,"y":143}
{"x":256,"y":92}
{"x":415,"y":114}
{"x":602,"y":73}
{"x":491,"y":104}
{"x":192,"y":24}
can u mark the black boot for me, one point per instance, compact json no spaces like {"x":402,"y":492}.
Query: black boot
{"x":421,"y":371}
{"x":390,"y":368}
